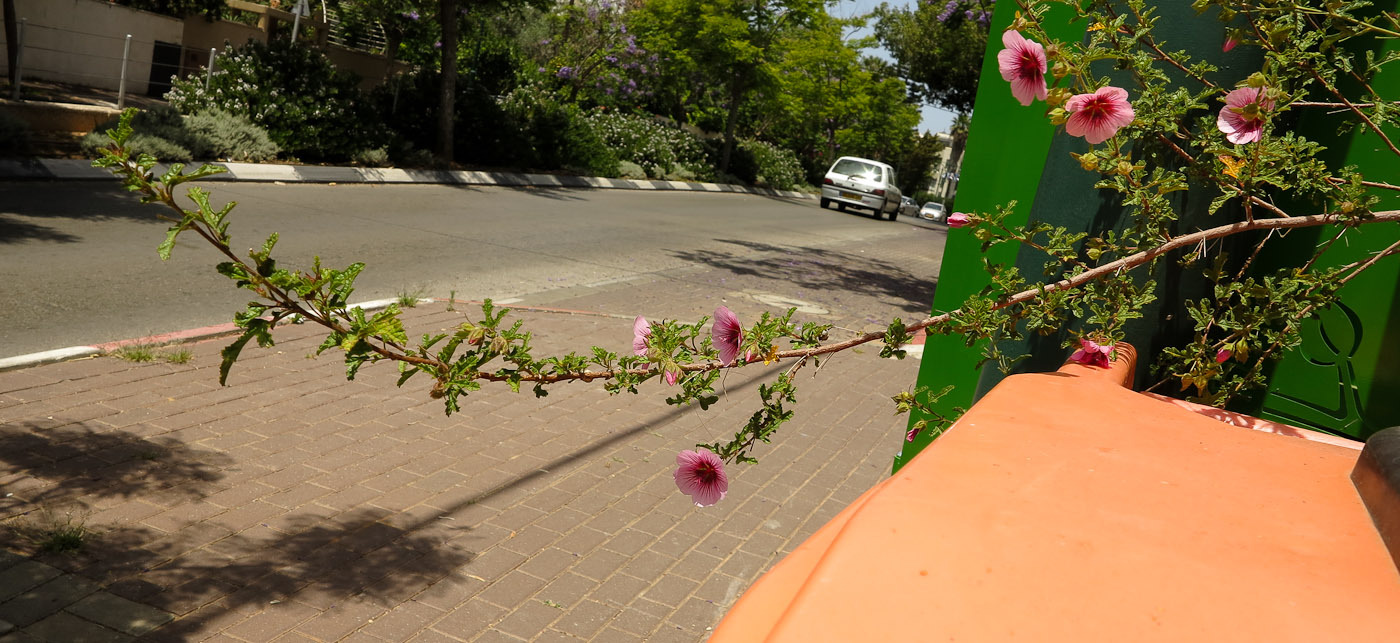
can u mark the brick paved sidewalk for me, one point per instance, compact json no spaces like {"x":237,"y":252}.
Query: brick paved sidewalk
{"x":295,"y":506}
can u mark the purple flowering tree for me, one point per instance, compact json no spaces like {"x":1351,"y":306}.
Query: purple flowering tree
{"x":589,"y":53}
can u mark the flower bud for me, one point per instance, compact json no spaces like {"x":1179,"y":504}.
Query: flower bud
{"x":1057,"y":96}
{"x":1125,"y":168}
{"x":1088,"y":161}
{"x":1256,"y":80}
{"x":1060,"y":70}
{"x":1058,"y":116}
{"x":1347,"y":207}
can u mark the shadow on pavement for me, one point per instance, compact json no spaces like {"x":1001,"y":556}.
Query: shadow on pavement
{"x":77,"y":200}
{"x":14,"y":231}
{"x":80,"y":462}
{"x":821,"y":270}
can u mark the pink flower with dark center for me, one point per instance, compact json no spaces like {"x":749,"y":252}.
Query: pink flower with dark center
{"x":1242,"y":117}
{"x":727,"y":334}
{"x":641,"y":334}
{"x":1099,"y":115}
{"x":1022,"y":64}
{"x":1092,"y":353}
{"x":700,"y":475}
{"x":958,"y":220}
{"x":1223,"y":355}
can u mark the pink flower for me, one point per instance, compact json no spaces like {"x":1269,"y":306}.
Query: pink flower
{"x":727,"y":335}
{"x":700,"y":475}
{"x":958,"y":220}
{"x":912,"y":433}
{"x":1230,"y":42}
{"x":1242,"y":117}
{"x":1022,"y":64}
{"x":641,"y":334}
{"x":1223,"y":355}
{"x":672,"y":376}
{"x":1099,"y":115}
{"x":1091,"y":353}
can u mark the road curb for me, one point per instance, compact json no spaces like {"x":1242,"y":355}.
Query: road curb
{"x":82,"y":170}
{"x":221,"y":330}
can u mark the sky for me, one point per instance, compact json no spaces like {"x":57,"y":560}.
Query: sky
{"x":934,"y":119}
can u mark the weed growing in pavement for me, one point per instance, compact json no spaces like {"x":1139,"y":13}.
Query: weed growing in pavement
{"x":54,"y":533}
{"x":409,"y":298}
{"x":136,"y":353}
{"x":151,"y":353}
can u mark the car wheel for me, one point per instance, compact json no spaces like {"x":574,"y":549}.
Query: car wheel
{"x":840,"y":206}
{"x":826,"y":203}
{"x":893,"y":214}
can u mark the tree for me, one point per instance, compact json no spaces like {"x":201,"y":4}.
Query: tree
{"x":937,"y":48}
{"x":958,"y":132}
{"x":731,"y":43}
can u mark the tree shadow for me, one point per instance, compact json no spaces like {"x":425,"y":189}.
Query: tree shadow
{"x":90,"y":200}
{"x":355,"y":558}
{"x":822,"y":270}
{"x":15,"y":231}
{"x":75,"y":461}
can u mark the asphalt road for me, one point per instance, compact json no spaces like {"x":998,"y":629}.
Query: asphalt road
{"x":78,"y":261}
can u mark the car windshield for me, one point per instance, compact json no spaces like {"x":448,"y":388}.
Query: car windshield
{"x":852,"y":167}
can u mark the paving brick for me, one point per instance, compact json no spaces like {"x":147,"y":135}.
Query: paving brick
{"x":512,"y":589}
{"x":120,"y":614}
{"x":68,"y":628}
{"x":529,"y":619}
{"x":20,"y":577}
{"x":402,"y":621}
{"x":39,"y":602}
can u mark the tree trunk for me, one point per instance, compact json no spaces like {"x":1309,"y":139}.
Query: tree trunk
{"x":11,"y":33}
{"x":447,"y":13}
{"x":731,"y":123}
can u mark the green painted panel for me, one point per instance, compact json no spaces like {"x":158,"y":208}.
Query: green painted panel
{"x":1345,"y":377}
{"x":1006,"y":147}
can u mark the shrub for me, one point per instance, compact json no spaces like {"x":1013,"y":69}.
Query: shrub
{"x":659,"y":149}
{"x":14,"y":135}
{"x":481,"y":131}
{"x":311,"y":109}
{"x":552,"y":134}
{"x":773,"y":166}
{"x":165,"y":134}
{"x":377,"y":157}
{"x":218,"y":134}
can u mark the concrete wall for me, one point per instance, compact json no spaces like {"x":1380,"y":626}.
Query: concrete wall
{"x":372,"y":69}
{"x":81,"y":42}
{"x":201,"y":35}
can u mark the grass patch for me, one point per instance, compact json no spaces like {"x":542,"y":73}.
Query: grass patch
{"x":151,"y":353}
{"x":136,"y":353}
{"x":54,"y":533}
{"x":409,"y":298}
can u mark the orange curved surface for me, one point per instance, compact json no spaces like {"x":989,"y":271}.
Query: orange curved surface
{"x":1064,"y":507}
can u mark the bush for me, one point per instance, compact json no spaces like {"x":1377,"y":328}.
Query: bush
{"x":159,"y":132}
{"x":659,"y":149}
{"x":218,"y":134}
{"x":551,"y":134}
{"x":480,"y":128}
{"x":311,"y":109}
{"x":165,"y":134}
{"x":14,"y":135}
{"x":378,"y":157}
{"x":773,"y":166}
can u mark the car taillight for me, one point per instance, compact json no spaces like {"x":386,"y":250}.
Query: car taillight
{"x":880,"y":192}
{"x":828,"y":181}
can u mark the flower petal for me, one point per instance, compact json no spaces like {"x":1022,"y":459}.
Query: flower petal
{"x":641,"y":332}
{"x":726,"y":334}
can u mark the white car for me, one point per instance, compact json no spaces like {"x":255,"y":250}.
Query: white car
{"x":908,"y":207}
{"x":861,"y":183}
{"x":933,"y":211}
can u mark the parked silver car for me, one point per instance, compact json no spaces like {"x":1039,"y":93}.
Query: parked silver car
{"x":908,"y":207}
{"x":861,"y":183}
{"x":933,"y":211}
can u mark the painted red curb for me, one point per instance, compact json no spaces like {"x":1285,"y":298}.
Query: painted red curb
{"x":179,"y":336}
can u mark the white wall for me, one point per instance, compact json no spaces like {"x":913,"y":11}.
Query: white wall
{"x":81,"y":42}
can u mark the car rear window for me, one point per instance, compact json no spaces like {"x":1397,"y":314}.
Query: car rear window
{"x":852,"y":167}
